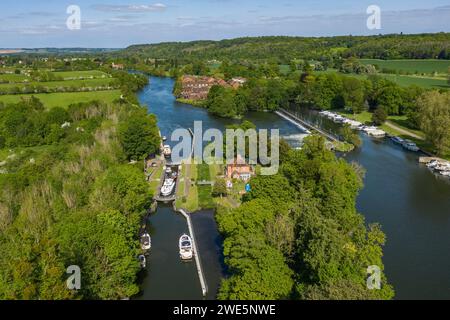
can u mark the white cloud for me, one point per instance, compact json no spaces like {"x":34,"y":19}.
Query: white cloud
{"x":157,"y":7}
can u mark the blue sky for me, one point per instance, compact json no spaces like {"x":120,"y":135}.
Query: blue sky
{"x":119,"y":23}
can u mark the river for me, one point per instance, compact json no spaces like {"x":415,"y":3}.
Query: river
{"x":411,"y":204}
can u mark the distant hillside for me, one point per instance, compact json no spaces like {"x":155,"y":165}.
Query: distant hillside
{"x":283,"y":49}
{"x":57,"y":51}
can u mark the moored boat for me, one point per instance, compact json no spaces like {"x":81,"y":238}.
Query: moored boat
{"x":445,"y":173}
{"x":168,"y":186}
{"x":142,"y":261}
{"x":167,"y":151}
{"x":411,"y":146}
{"x":397,"y":140}
{"x":186,"y":247}
{"x":146,"y":241}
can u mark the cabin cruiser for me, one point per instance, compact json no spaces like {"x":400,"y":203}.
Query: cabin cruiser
{"x":398,"y":140}
{"x":433,"y":164}
{"x":442,"y":167}
{"x":146,"y":241}
{"x":167,"y":151}
{"x":411,"y":146}
{"x":168,"y":170}
{"x":445,"y":173}
{"x":164,"y":138}
{"x":168,"y":186}
{"x":186,"y":248}
{"x":142,"y":261}
{"x":377,"y":133}
{"x":353,"y":124}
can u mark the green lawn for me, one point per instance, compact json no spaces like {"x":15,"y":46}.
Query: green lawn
{"x":92,"y":83}
{"x":205,"y":200}
{"x":156,"y":179}
{"x":203,"y":172}
{"x":81,"y":74}
{"x":415,"y":66}
{"x":402,"y":80}
{"x":13,"y":77}
{"x":425,"y":82}
{"x":51,"y":100}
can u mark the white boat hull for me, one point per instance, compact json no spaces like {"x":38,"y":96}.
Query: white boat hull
{"x":186,"y":247}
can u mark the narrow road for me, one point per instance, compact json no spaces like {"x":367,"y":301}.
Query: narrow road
{"x":403,"y":131}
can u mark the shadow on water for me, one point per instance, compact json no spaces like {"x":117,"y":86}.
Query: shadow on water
{"x":210,"y":244}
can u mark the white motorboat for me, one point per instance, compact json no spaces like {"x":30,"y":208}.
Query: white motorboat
{"x":164,"y":138}
{"x":146,"y":241}
{"x":142,"y":261}
{"x":168,"y":186}
{"x":445,"y":173}
{"x":433,"y":164}
{"x":411,"y":146}
{"x":442,"y":167}
{"x":354,"y":124}
{"x":168,"y":170}
{"x":186,"y":247}
{"x":376,"y":133}
{"x":167,"y":151}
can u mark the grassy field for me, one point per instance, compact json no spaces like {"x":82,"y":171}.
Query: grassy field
{"x":13,"y":77}
{"x":413,"y":66}
{"x":402,"y":80}
{"x":65,"y":75}
{"x":51,"y":100}
{"x":99,"y":82}
{"x":81,"y":74}
{"x":425,"y":82}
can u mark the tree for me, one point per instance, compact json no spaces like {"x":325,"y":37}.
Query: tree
{"x":391,"y":98}
{"x":379,"y":116}
{"x":328,"y":92}
{"x":434,"y":116}
{"x":220,"y":188}
{"x":353,"y":93}
{"x":221,"y":102}
{"x":350,"y":135}
{"x":139,"y":136}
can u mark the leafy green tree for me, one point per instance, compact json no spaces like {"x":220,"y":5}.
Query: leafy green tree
{"x":350,"y":135}
{"x":328,"y":92}
{"x":139,"y":136}
{"x":391,"y":98}
{"x":220,"y":188}
{"x":353,"y":93}
{"x":434,"y":115}
{"x":379,"y":116}
{"x":259,"y":271}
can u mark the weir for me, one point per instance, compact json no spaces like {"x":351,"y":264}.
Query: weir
{"x":304,"y":125}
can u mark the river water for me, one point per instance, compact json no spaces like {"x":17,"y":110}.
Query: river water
{"x":411,"y":204}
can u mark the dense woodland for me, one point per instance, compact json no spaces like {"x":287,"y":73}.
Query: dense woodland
{"x":68,"y":196}
{"x":284,"y":49}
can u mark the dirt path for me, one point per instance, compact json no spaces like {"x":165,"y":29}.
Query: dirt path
{"x":403,"y":131}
